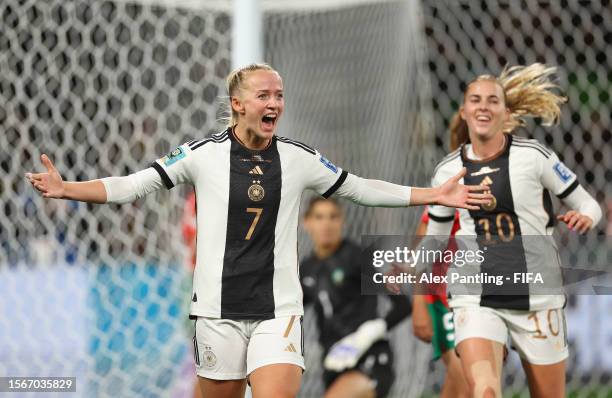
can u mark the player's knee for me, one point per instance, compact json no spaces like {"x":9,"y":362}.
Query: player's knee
{"x":484,"y":383}
{"x":486,"y":387}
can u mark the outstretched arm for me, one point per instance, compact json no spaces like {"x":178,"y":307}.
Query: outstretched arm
{"x":105,"y":190}
{"x":452,"y":194}
{"x":51,"y":185}
{"x":384,"y":194}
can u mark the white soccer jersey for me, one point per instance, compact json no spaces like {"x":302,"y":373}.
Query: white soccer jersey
{"x":521,"y":178}
{"x":247,"y":220}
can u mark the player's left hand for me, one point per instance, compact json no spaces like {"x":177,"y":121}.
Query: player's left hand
{"x":453,"y":194}
{"x":576,"y":221}
{"x":346,"y":353}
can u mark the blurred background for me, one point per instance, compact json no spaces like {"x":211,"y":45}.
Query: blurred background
{"x":106,"y":87}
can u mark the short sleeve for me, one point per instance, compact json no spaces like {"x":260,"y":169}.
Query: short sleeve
{"x":556,"y":177}
{"x":174,"y":167}
{"x":324,"y":177}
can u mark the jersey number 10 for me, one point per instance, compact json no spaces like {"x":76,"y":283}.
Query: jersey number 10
{"x":505,"y":236}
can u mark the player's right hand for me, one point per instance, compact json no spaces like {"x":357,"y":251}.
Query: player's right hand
{"x":50,"y":184}
{"x":421,"y":321}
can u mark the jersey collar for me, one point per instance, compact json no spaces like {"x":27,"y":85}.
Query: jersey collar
{"x":235,"y":138}
{"x":501,"y":152}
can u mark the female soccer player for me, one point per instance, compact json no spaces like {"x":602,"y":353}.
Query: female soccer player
{"x":521,"y":174}
{"x":246,"y":296}
{"x":357,"y":357}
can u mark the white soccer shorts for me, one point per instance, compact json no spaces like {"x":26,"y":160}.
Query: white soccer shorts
{"x":539,"y":337}
{"x":231,"y":350}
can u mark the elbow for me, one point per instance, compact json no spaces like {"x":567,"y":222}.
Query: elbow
{"x":594,"y":212}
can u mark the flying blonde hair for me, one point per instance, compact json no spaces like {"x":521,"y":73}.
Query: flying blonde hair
{"x":234,"y":83}
{"x":529,"y":91}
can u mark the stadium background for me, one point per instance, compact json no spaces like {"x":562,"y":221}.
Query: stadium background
{"x":105,"y":87}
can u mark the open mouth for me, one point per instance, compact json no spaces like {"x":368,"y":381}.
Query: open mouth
{"x":269,"y":120}
{"x":483,"y":118}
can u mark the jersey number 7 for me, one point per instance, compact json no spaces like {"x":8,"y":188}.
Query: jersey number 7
{"x":257,"y":211}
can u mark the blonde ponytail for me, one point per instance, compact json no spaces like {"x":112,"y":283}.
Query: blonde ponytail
{"x":529,"y":91}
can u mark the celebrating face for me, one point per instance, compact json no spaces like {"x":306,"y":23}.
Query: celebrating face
{"x":484,"y":109}
{"x":260,"y":103}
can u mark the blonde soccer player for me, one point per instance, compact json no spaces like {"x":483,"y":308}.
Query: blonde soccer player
{"x":522,"y":174}
{"x":247,"y":299}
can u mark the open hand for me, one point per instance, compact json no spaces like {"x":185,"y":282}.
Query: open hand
{"x":453,"y":194}
{"x":50,"y":184}
{"x":576,"y":221}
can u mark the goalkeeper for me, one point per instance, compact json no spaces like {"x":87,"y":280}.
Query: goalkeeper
{"x":357,"y":357}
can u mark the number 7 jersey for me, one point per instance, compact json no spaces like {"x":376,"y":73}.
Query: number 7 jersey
{"x":521,"y":177}
{"x":247,"y":220}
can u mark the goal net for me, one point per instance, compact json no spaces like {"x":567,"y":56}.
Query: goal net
{"x":468,"y":38}
{"x":106,"y":87}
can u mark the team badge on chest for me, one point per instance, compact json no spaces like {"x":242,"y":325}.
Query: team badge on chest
{"x":256,"y":192}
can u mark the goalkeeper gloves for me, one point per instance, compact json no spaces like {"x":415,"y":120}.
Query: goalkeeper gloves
{"x":346,"y":353}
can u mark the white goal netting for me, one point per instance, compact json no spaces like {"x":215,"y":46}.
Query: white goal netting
{"x":104,"y":88}
{"x":465,"y":39}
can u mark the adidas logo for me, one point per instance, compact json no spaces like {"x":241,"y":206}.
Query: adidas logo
{"x":290,"y":348}
{"x":485,"y":170}
{"x":256,"y":170}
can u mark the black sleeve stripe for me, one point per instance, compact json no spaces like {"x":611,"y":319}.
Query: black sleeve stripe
{"x":194,"y":143}
{"x":206,"y":141}
{"x":164,"y":176}
{"x":221,"y":137}
{"x":200,"y":143}
{"x":532,"y":142}
{"x":569,"y":189}
{"x":222,"y":134}
{"x":337,"y":185}
{"x":441,"y":219}
{"x":539,"y":149}
{"x":297,"y":144}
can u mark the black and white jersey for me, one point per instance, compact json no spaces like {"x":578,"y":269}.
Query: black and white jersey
{"x":522,"y":177}
{"x":247,"y":220}
{"x":333,"y":286}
